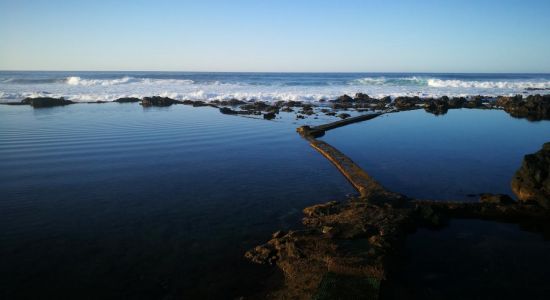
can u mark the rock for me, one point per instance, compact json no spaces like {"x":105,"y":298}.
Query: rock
{"x":344,"y":99}
{"x":229,"y":111}
{"x":361,"y":97}
{"x":45,"y":102}
{"x":158,"y":101}
{"x":287,"y":109}
{"x":533,"y":107}
{"x":437,"y":106}
{"x":407,"y":103}
{"x":496,"y":199}
{"x":235,"y":102}
{"x":256,"y":106}
{"x":270,"y":116}
{"x":127,"y":100}
{"x":531,"y":183}
{"x":344,"y":116}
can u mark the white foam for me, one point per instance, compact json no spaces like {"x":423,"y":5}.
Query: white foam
{"x":439,"y":83}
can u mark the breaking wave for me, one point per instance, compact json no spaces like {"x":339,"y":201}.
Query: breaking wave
{"x":439,"y":83}
{"x":75,"y":80}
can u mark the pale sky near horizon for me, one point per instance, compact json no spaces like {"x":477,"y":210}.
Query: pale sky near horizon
{"x":311,"y":36}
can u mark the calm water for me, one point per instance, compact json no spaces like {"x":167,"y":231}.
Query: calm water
{"x":442,"y":157}
{"x":114,"y":200}
{"x":117,"y":201}
{"x":108,"y":86}
{"x":474,"y":259}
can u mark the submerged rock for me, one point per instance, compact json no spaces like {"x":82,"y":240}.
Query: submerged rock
{"x":158,"y":101}
{"x":344,"y":116}
{"x":46,"y":102}
{"x":531,"y":182}
{"x":127,"y":100}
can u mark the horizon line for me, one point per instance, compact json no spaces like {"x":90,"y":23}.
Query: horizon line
{"x":290,"y":72}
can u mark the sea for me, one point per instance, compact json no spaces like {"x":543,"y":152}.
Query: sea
{"x":120,"y":201}
{"x":108,"y":86}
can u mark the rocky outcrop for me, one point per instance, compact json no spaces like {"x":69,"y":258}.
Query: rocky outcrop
{"x":407,"y":103}
{"x":41,"y":102}
{"x":158,"y":101}
{"x":344,"y":245}
{"x":533,"y":107}
{"x":229,"y":111}
{"x":270,"y":116}
{"x":531,"y":183}
{"x":127,"y":100}
{"x":437,"y":106}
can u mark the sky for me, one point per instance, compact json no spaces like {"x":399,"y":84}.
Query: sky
{"x":279,"y":35}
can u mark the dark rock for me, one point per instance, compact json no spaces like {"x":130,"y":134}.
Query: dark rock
{"x":361,"y":97}
{"x":158,"y":101}
{"x":256,"y":106}
{"x":270,"y":116}
{"x":344,"y":99}
{"x":300,"y":117}
{"x":496,"y":199}
{"x":235,"y":102}
{"x":344,"y":116}
{"x":229,"y":111}
{"x":456,"y":102}
{"x":45,"y":102}
{"x":531,"y":182}
{"x":437,"y":106}
{"x":533,"y":107}
{"x":407,"y":103}
{"x":287,"y":109}
{"x":127,"y":100}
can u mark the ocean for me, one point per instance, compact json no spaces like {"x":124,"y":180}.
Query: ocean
{"x":121,"y":201}
{"x":108,"y":86}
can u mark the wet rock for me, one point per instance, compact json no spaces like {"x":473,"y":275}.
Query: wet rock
{"x":127,"y":100}
{"x":45,"y":102}
{"x":270,"y":116}
{"x":407,"y":103}
{"x":531,"y":183}
{"x":533,"y":107}
{"x":256,"y":106}
{"x":437,"y":106}
{"x":496,"y":199}
{"x":344,"y":116}
{"x":287,"y":109}
{"x":158,"y":101}
{"x":362,"y":97}
{"x":456,"y":102}
{"x":344,"y":99}
{"x":300,"y":117}
{"x":234,"y":102}
{"x":229,"y":111}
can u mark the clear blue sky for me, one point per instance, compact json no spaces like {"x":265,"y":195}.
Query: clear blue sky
{"x":234,"y":35}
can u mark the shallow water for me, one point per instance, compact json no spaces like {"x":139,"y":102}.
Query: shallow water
{"x":473,"y":259}
{"x":119,"y":201}
{"x":114,"y":200}
{"x":442,"y":157}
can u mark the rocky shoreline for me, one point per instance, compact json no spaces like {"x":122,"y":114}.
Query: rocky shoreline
{"x":350,"y":249}
{"x":533,"y":107}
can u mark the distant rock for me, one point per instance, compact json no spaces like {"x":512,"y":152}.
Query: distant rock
{"x":158,"y":101}
{"x":531,"y":183}
{"x":45,"y":102}
{"x":127,"y":100}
